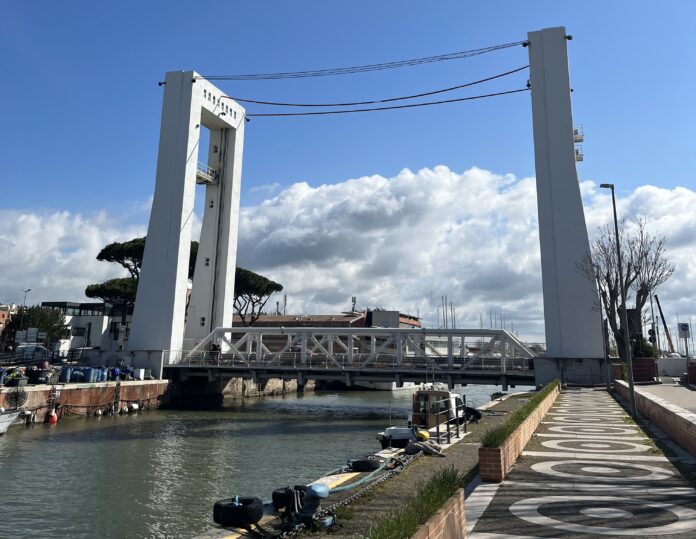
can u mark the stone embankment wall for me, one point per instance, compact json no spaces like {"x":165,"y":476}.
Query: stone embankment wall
{"x":239,"y":388}
{"x":448,"y":523}
{"x":496,"y":462}
{"x":84,"y":399}
{"x":679,"y":424}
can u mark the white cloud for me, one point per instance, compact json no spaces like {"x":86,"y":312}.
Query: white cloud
{"x":389,"y":241}
{"x":54,"y":253}
{"x":393,"y":241}
{"x":472,"y":236}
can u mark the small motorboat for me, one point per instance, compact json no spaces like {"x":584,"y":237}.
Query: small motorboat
{"x":431,"y":407}
{"x":398,"y":437}
{"x":6,"y":419}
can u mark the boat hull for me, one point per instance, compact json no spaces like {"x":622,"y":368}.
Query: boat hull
{"x":6,"y":419}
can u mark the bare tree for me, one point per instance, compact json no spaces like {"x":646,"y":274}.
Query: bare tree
{"x":645,"y":265}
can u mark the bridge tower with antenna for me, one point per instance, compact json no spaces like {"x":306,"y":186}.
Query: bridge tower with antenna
{"x":574,"y":351}
{"x":162,"y":318}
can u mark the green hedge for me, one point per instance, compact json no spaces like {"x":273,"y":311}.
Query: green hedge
{"x":419,"y":507}
{"x":495,"y":436}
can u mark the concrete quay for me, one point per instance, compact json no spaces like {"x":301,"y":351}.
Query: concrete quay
{"x":80,"y":399}
{"x":355,"y":520}
{"x":589,"y":471}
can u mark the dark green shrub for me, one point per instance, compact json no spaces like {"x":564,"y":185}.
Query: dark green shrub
{"x":418,"y":508}
{"x":495,"y":436}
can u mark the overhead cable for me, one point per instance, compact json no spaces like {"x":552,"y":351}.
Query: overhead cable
{"x":375,"y":101}
{"x":392,"y":107}
{"x":365,"y":68}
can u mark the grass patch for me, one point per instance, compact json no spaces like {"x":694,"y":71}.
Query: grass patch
{"x":419,"y":507}
{"x":495,"y":436}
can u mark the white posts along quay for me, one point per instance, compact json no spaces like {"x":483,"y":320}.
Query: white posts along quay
{"x":163,"y":329}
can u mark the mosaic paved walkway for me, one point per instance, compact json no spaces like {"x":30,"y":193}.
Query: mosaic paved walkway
{"x":588,"y":472}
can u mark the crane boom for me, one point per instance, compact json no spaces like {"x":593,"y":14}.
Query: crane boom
{"x":664,"y":324}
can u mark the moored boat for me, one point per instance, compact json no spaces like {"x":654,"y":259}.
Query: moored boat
{"x":6,"y":419}
{"x":430,"y":408}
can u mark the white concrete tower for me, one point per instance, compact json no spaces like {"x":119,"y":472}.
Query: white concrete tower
{"x":160,"y":308}
{"x":573,"y":325}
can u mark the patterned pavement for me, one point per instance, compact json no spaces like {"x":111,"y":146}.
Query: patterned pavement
{"x":589,"y":471}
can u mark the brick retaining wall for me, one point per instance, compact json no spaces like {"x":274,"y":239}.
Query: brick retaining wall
{"x":448,"y":523}
{"x":83,"y":399}
{"x":496,"y":462}
{"x":679,"y":424}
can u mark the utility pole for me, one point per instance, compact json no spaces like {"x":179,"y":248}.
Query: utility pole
{"x":624,"y":313}
{"x":602,"y":309}
{"x":655,"y":327}
{"x":24,"y":309}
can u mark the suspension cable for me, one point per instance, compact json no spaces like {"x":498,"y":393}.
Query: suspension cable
{"x":375,"y":101}
{"x":392,"y":107}
{"x":364,"y":68}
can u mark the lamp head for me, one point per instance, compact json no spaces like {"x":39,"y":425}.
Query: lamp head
{"x":606,"y":185}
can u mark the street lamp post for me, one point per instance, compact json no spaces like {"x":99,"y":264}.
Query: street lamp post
{"x":24,"y":309}
{"x":607,"y":367}
{"x":624,"y":314}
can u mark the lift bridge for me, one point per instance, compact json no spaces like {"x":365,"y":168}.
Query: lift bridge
{"x":350,"y":355}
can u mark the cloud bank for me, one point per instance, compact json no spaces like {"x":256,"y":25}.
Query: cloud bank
{"x":392,"y":242}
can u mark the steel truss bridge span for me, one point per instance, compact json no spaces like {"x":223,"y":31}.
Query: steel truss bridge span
{"x":349,"y":355}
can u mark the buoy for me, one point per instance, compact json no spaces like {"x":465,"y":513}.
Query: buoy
{"x":2,"y":409}
{"x":98,"y":413}
{"x":124,"y":410}
{"x":422,"y":435}
{"x":134,"y":407}
{"x":53,"y":417}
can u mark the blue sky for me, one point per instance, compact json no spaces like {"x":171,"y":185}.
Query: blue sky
{"x":81,"y":118}
{"x":82,"y":106}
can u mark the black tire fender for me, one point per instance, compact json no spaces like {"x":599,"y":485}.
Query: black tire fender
{"x":247,"y":511}
{"x":364,"y":465}
{"x":282,"y":498}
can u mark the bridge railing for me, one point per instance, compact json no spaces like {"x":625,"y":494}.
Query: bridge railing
{"x":344,"y":361}
{"x":358,"y":350}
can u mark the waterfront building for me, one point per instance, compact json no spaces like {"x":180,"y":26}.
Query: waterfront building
{"x":92,"y":325}
{"x":362,"y":319}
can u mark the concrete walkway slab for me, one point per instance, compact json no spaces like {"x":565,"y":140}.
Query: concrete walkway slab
{"x":682,"y":395}
{"x":588,"y":472}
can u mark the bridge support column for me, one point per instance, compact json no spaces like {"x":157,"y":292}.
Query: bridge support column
{"x":450,"y":347}
{"x":573,"y":326}
{"x":398,"y":343}
{"x":159,"y":317}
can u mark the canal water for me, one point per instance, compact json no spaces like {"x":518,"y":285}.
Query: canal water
{"x":158,"y":474}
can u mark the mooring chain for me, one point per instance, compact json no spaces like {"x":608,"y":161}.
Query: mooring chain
{"x":397,"y":469}
{"x":331,"y":508}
